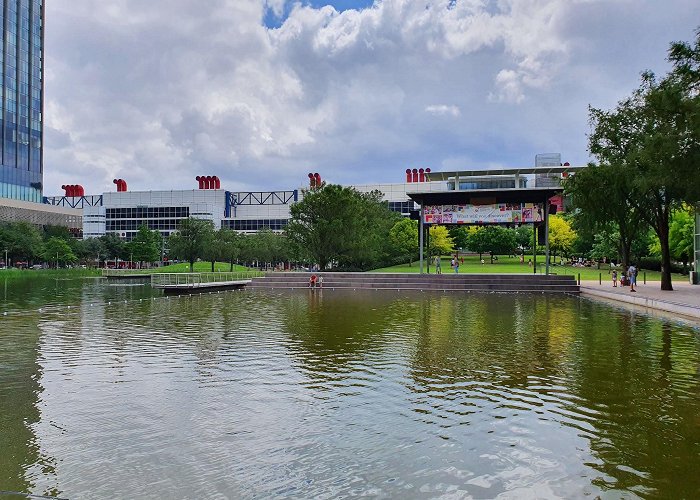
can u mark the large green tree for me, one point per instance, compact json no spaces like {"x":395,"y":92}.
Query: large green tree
{"x":146,"y":245}
{"x":229,"y":243}
{"x":659,"y":127}
{"x":602,"y":194}
{"x":22,"y":241}
{"x":336,"y":224}
{"x":191,"y":240}
{"x":57,"y":250}
{"x":404,"y":239}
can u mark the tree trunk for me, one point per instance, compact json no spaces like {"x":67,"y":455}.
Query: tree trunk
{"x":191,"y":266}
{"x":492,"y":258}
{"x":665,"y":256}
{"x":626,"y":250}
{"x":231,"y":262}
{"x":212,"y":265}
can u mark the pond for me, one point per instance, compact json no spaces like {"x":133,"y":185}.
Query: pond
{"x":110,"y":390}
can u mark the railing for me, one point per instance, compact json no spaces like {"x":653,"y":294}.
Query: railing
{"x":160,"y":280}
{"x":111,"y":273}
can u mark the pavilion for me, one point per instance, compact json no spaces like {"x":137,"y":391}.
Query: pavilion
{"x":476,"y":197}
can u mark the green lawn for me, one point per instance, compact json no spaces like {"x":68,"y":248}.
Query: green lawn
{"x":47,"y":273}
{"x":508,"y":265}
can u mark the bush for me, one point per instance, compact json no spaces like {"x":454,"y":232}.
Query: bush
{"x":654,"y":264}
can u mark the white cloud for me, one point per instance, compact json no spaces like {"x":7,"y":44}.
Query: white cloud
{"x":442,"y":110}
{"x":158,"y":92}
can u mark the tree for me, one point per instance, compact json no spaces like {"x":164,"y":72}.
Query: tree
{"x":21,"y":240}
{"x":602,"y":195}
{"x":57,"y":249}
{"x":660,"y":128}
{"x":440,"y":242}
{"x":114,"y":246}
{"x":146,"y":245}
{"x":681,"y":234}
{"x":190,"y":241}
{"x":229,"y":242}
{"x":91,"y":250}
{"x":498,"y":240}
{"x":478,"y":240}
{"x":404,"y":239}
{"x":561,"y":236}
{"x":340,"y":224}
{"x":460,"y":236}
{"x":523,"y":237}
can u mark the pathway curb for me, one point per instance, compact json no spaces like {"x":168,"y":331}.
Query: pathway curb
{"x":646,"y":302}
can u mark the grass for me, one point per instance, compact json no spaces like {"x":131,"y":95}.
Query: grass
{"x":47,"y":273}
{"x":511,"y":265}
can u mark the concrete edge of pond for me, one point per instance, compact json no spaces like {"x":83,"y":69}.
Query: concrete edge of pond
{"x":645,"y":301}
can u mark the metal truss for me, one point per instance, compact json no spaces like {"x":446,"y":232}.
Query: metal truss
{"x":74,"y":201}
{"x":258,"y":198}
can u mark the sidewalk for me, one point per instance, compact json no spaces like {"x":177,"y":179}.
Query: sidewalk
{"x":684,"y":300}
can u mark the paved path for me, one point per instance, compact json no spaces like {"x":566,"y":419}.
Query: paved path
{"x":684,"y":300}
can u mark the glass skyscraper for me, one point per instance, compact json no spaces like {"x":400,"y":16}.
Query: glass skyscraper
{"x":22,"y":87}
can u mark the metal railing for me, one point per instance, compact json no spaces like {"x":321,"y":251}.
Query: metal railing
{"x":107,"y":273}
{"x":160,"y":280}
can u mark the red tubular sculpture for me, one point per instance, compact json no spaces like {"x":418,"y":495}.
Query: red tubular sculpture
{"x":415,"y":175}
{"x":217,"y":183}
{"x":409,"y":177}
{"x":200,"y":179}
{"x":318,"y":179}
{"x":421,"y":175}
{"x":427,"y":171}
{"x":121,"y":185}
{"x":312,"y":181}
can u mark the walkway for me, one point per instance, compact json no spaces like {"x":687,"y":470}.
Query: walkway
{"x":684,"y":300}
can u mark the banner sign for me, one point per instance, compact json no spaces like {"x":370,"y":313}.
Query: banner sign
{"x":496,"y":213}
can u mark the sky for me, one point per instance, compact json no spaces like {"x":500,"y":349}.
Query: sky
{"x":262,"y":92}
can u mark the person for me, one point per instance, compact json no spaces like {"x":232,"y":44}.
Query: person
{"x":529,"y":262}
{"x":312,"y":281}
{"x":456,"y":261}
{"x":319,"y":282}
{"x":438,"y":269}
{"x":632,"y":272}
{"x":614,"y":278}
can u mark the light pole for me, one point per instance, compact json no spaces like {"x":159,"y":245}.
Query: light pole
{"x":6,"y":266}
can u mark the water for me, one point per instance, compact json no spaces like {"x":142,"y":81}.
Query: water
{"x":334,"y":394}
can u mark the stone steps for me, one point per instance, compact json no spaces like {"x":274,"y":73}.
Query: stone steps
{"x":445,"y":282}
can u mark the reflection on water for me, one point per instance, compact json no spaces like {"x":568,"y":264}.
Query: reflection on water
{"x":328,"y":393}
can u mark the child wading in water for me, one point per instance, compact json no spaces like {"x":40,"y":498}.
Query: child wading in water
{"x":614,"y":278}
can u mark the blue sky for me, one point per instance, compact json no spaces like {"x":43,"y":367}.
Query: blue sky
{"x":159,"y":92}
{"x":273,"y":21}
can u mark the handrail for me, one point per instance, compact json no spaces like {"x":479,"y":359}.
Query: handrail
{"x":196,"y":279}
{"x":106,"y":273}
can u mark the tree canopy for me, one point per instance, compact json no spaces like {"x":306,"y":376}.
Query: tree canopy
{"x":340,"y":225}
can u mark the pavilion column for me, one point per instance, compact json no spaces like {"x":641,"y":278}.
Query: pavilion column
{"x":546,"y":237}
{"x":420,"y":239}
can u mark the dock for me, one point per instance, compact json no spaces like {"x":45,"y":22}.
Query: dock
{"x":121,"y":274}
{"x":199,"y":282}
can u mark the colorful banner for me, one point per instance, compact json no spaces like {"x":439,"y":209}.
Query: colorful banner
{"x":498,"y":213}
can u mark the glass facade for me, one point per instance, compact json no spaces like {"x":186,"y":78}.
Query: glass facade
{"x":127,"y":221}
{"x":254,"y":224}
{"x":22,"y":87}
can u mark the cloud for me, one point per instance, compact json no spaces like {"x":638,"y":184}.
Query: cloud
{"x":442,"y":110}
{"x":159,"y":92}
